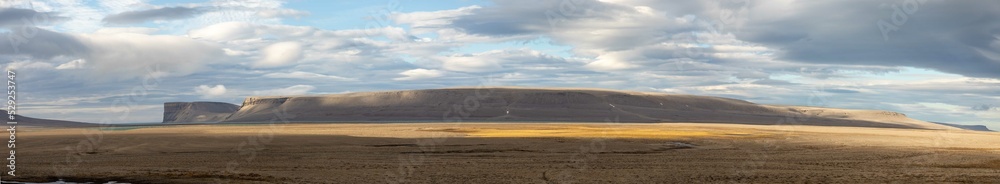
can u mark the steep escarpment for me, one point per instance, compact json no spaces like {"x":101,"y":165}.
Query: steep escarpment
{"x":187,"y":112}
{"x":547,"y":105}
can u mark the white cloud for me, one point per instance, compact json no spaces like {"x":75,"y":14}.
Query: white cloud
{"x":279,"y":54}
{"x":210,"y":91}
{"x":306,"y":75}
{"x":232,"y":31}
{"x":125,"y":55}
{"x":605,"y":44}
{"x":22,"y":65}
{"x":291,"y":90}
{"x":500,"y":60}
{"x":420,"y":73}
{"x":470,"y":64}
{"x":612,"y":61}
{"x":277,"y":13}
{"x":423,"y":22}
{"x":75,"y":64}
{"x":115,"y":30}
{"x":225,"y":31}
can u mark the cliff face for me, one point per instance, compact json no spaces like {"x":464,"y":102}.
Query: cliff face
{"x":546,"y":105}
{"x":188,"y":112}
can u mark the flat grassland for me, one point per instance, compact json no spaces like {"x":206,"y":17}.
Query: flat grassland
{"x":506,"y":153}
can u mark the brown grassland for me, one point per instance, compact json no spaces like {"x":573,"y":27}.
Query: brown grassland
{"x":507,"y":153}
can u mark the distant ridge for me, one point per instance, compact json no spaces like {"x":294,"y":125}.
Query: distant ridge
{"x":506,"y":104}
{"x":967,"y":127}
{"x":29,"y":121}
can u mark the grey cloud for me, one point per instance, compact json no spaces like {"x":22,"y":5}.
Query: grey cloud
{"x":166,"y":13}
{"x":957,"y":37}
{"x":950,"y":36}
{"x":773,"y":82}
{"x":112,"y":55}
{"x":16,"y":17}
{"x":982,"y":107}
{"x":513,"y":17}
{"x":40,"y":43}
{"x":840,"y":91}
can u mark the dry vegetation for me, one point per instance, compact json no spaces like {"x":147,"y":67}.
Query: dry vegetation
{"x":509,"y":153}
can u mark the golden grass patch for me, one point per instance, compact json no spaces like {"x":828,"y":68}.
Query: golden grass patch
{"x":594,"y":132}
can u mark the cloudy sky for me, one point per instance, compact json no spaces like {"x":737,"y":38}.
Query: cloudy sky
{"x":117,"y":61}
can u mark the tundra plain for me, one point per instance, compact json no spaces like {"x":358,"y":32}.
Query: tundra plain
{"x":507,"y":153}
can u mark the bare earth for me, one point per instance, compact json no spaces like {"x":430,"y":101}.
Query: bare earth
{"x":507,"y":153}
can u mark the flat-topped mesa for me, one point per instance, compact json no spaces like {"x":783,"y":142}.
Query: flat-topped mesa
{"x":967,"y":127}
{"x":193,"y":112}
{"x":552,"y":105}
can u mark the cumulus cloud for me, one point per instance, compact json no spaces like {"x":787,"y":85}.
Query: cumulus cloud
{"x":423,"y":22}
{"x":420,"y":73}
{"x":499,"y":60}
{"x":225,"y":31}
{"x":612,"y":61}
{"x":210,"y":91}
{"x":279,"y":54}
{"x":118,"y":55}
{"x":164,"y":13}
{"x":470,"y":63}
{"x":291,"y":90}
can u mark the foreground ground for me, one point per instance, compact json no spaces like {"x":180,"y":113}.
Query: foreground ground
{"x":506,"y":153}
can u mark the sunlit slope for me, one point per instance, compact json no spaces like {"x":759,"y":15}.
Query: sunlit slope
{"x":186,"y":112}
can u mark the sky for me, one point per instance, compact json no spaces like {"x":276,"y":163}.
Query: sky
{"x":118,"y":61}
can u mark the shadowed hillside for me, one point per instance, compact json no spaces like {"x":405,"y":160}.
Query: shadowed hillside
{"x":28,"y":121}
{"x":967,"y":127}
{"x":547,"y":105}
